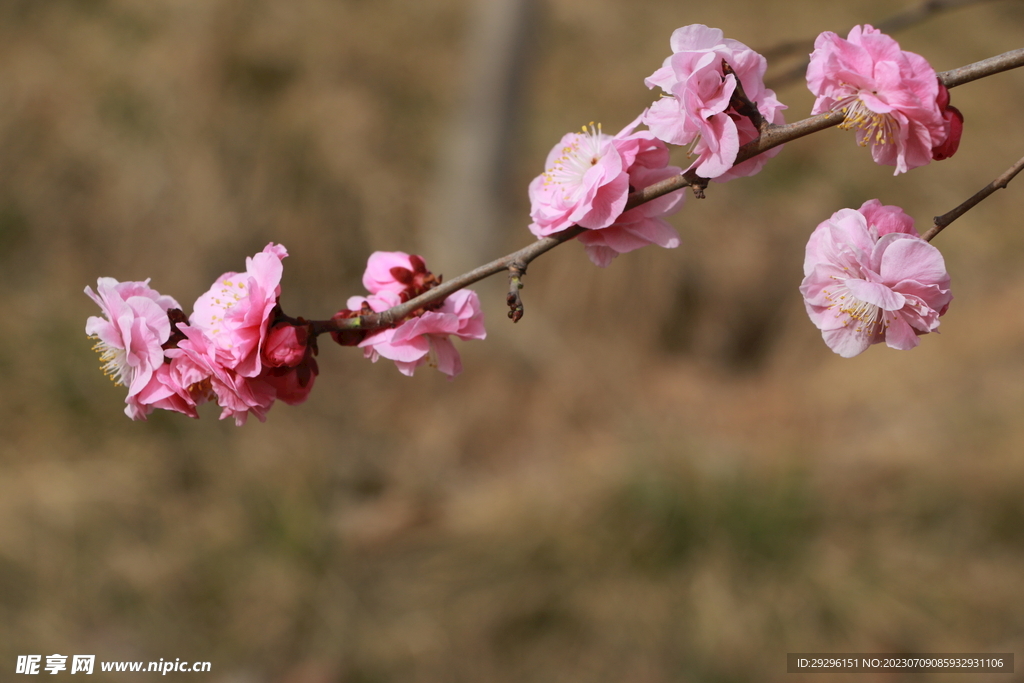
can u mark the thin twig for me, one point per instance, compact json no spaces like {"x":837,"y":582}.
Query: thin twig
{"x":941,"y":222}
{"x":771,"y":136}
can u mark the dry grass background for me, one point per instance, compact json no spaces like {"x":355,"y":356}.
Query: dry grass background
{"x":660,"y":474}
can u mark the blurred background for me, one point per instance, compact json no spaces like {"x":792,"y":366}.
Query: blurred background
{"x":660,"y":474}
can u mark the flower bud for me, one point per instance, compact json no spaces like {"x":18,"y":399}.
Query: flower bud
{"x":286,"y":345}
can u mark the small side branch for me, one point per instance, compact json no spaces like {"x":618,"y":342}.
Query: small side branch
{"x":516,"y":271}
{"x":998,"y":184}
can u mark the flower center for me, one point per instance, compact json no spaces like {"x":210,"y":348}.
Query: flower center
{"x":578,"y":157}
{"x":868,"y":318}
{"x":877,"y":129}
{"x":217,"y":304}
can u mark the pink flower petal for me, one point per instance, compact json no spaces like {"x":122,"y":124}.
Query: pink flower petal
{"x":868,"y":278}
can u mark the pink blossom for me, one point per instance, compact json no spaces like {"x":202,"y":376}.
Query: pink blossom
{"x":870,"y":278}
{"x":163,"y":391}
{"x":398,"y":272}
{"x":640,"y":226}
{"x":698,"y":110}
{"x":642,"y":160}
{"x":425,"y":338}
{"x":225,"y":353}
{"x":203,"y":369}
{"x":130,"y":336}
{"x":889,"y":96}
{"x":585,"y":183}
{"x":235,"y":312}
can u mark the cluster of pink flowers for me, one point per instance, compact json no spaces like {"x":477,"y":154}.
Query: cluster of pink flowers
{"x":869,"y":278}
{"x":892,"y":98}
{"x":700,"y":79}
{"x":227,"y":351}
{"x":239,"y":350}
{"x":589,"y":175}
{"x":712,"y":84}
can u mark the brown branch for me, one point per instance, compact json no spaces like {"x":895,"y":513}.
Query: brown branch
{"x":941,"y":222}
{"x":517,"y":260}
{"x":771,"y":136}
{"x":986,"y":67}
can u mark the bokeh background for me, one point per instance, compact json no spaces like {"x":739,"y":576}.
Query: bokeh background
{"x":660,"y":474}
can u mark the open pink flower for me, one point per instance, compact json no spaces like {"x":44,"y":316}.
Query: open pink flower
{"x":585,"y":183}
{"x":641,"y":159}
{"x":425,"y":338}
{"x":130,"y":335}
{"x":889,"y":96}
{"x":870,"y":278}
{"x":698,"y":108}
{"x":235,"y":312}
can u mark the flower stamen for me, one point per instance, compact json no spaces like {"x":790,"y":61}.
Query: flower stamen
{"x":114,"y":362}
{"x":875,"y":128}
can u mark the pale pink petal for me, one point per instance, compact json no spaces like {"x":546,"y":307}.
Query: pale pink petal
{"x":900,"y":335}
{"x":912,"y":259}
{"x":447,"y":356}
{"x":846,"y":341}
{"x":378,"y":276}
{"x":868,"y":278}
{"x":875,"y":294}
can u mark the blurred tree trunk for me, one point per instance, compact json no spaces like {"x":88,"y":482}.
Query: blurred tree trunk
{"x":462,"y":227}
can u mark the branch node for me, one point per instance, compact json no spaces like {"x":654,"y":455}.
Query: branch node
{"x":516,"y":271}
